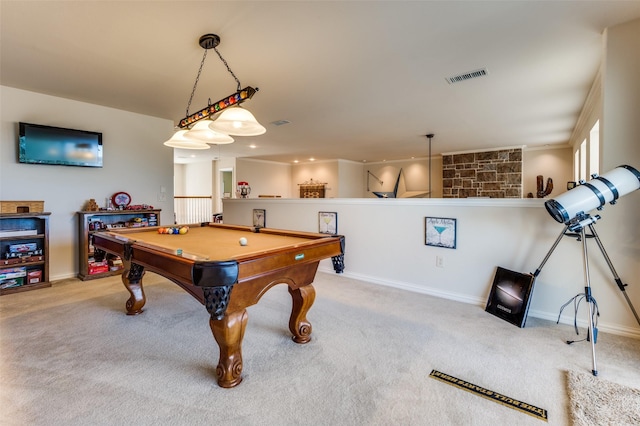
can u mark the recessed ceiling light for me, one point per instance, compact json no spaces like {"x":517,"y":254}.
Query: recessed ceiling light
{"x":312,"y":159}
{"x":252,"y":146}
{"x":295,"y":161}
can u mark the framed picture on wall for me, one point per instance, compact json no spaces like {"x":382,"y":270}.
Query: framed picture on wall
{"x":510,"y":296}
{"x":440,"y":232}
{"x":328,"y":222}
{"x":259,"y":220}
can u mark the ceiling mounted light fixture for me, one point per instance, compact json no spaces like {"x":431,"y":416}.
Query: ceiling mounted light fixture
{"x":202,"y":131}
{"x":197,"y":129}
{"x":178,"y":140}
{"x":238,"y":121}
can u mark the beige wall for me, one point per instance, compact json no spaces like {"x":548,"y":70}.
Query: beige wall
{"x":350,"y":184}
{"x":554,"y":163}
{"x":327,"y":172}
{"x":348,"y":179}
{"x":385,"y":237}
{"x":135,"y":161}
{"x":416,"y":174}
{"x":265,"y":177}
{"x":385,"y":245}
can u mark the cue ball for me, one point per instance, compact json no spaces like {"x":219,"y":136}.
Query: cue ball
{"x":243,"y":241}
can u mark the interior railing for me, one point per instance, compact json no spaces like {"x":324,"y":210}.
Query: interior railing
{"x":192,"y":209}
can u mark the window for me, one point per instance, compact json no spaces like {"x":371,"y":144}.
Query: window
{"x":594,"y":149}
{"x":583,"y":160}
{"x":586,"y":159}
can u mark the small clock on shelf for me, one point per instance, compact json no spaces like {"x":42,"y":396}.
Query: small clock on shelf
{"x":121,"y":200}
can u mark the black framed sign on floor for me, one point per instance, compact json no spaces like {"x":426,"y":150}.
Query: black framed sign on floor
{"x":510,"y":296}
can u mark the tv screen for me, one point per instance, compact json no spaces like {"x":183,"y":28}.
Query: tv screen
{"x":40,"y":144}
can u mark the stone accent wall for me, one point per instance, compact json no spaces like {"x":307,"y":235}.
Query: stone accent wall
{"x":494,"y":174}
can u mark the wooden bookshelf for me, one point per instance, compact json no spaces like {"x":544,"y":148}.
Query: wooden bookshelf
{"x":89,"y":222}
{"x":24,"y":252}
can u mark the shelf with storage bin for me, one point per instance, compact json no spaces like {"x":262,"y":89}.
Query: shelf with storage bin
{"x":96,"y":264}
{"x":24,"y":252}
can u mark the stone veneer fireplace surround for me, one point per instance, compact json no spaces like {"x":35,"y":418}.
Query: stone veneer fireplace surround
{"x":489,"y":174}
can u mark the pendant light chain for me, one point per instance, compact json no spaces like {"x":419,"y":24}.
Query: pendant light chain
{"x":193,"y":91}
{"x":243,"y":122}
{"x":228,"y":69}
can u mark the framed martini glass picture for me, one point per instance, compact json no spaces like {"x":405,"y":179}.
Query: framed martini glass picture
{"x":259,"y":220}
{"x":440,"y":232}
{"x":328,"y":222}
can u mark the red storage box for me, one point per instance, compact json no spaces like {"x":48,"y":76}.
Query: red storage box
{"x":34,"y":276}
{"x":98,"y":267}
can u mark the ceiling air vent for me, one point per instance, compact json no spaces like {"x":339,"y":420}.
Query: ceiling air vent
{"x":467,"y":76}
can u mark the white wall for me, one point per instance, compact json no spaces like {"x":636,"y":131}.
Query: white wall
{"x":135,"y":161}
{"x":416,"y":174}
{"x":327,"y":172}
{"x":621,"y":97}
{"x":384,"y":238}
{"x":554,"y":163}
{"x":220,"y":165}
{"x":385,"y":245}
{"x":620,"y":144}
{"x":179,"y":179}
{"x":350,"y":181}
{"x":199,"y":177}
{"x":264,"y":177}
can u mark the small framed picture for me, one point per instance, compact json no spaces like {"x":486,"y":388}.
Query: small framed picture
{"x":328,"y":222}
{"x":440,"y":232}
{"x":259,"y":220}
{"x":510,"y":296}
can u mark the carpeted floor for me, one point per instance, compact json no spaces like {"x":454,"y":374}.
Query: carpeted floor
{"x":70,"y":356}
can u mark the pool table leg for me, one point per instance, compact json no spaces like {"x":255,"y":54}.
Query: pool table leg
{"x":303,"y":298}
{"x":132,"y":279}
{"x":229,"y":332}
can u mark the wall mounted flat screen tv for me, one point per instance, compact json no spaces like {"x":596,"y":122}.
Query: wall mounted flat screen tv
{"x":38,"y":144}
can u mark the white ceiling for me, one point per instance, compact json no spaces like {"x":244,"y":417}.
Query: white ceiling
{"x":357,"y":80}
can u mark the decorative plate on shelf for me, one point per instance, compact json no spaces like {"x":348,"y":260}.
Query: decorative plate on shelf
{"x":121,"y":199}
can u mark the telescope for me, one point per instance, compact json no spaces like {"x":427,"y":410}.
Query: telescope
{"x":572,"y":208}
{"x":594,"y":194}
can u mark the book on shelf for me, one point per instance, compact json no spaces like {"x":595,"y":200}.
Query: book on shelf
{"x":17,"y":232}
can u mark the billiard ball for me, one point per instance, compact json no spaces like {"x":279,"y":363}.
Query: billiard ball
{"x":243,"y":241}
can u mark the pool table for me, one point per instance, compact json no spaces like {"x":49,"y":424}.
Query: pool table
{"x":225,"y":276}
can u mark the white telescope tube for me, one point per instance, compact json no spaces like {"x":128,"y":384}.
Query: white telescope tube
{"x":594,"y":194}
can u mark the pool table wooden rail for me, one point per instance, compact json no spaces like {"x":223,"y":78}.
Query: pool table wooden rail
{"x":228,"y":286}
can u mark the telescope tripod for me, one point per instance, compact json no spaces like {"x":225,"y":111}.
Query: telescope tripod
{"x":576,"y":228}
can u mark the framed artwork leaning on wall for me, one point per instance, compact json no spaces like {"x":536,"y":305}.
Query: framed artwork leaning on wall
{"x":328,"y":222}
{"x":510,"y":296}
{"x":259,"y":219}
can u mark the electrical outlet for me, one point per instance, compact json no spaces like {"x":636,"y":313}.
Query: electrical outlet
{"x":439,"y":261}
